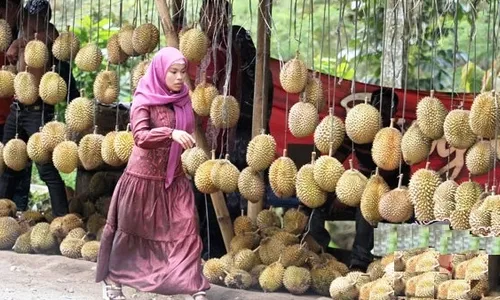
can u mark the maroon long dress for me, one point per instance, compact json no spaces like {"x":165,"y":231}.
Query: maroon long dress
{"x":150,"y":241}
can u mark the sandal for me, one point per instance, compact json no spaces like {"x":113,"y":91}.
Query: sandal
{"x":200,"y":296}
{"x":112,"y":292}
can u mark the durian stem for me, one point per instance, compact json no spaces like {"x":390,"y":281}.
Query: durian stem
{"x":262,"y":131}
{"x":432,"y":94}
{"x":82,"y":92}
{"x":393,"y":120}
{"x":366,"y":100}
{"x":313,"y":157}
{"x":376,"y":171}
{"x":297,"y":54}
{"x":128,"y":127}
{"x":36,"y":35}
{"x":256,"y":249}
{"x":17,"y":136}
{"x":330,"y":111}
{"x":26,"y":69}
{"x":117,"y":128}
{"x":470,"y":177}
{"x":213,"y":154}
{"x":53,"y":68}
{"x":68,"y":27}
{"x":242,"y":212}
{"x":107,"y":65}
{"x":203,"y":77}
{"x":226,"y":156}
{"x":284,"y":152}
{"x":330,"y":151}
{"x":400,"y":181}
{"x":493,"y":189}
{"x":427,"y":164}
{"x":351,"y":165}
{"x":95,"y":129}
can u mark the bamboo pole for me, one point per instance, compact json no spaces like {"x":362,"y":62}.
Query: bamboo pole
{"x":259,"y":119}
{"x":220,"y":207}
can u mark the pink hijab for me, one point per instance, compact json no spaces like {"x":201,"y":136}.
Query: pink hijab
{"x":152,"y":90}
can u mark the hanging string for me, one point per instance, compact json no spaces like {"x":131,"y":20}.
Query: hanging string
{"x":393,"y":59}
{"x":384,"y":35}
{"x":472,"y":36}
{"x":366,"y":13}
{"x":5,"y":17}
{"x":71,"y":54}
{"x":311,"y":31}
{"x":287,"y":103}
{"x":405,"y":63}
{"x":299,"y":39}
{"x":493,"y":83}
{"x":327,"y":4}
{"x":337,"y":51}
{"x":229,"y":64}
{"x":91,"y":21}
{"x":120,"y":20}
{"x":267,"y":32}
{"x":353,"y":82}
{"x":435,"y":10}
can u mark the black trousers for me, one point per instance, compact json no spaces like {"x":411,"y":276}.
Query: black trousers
{"x":29,"y":120}
{"x":21,"y":195}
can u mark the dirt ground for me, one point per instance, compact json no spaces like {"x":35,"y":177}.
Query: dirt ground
{"x":40,"y":277}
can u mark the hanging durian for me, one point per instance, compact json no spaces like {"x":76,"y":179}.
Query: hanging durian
{"x":193,"y":44}
{"x":89,"y":150}
{"x":431,"y":114}
{"x":5,"y":35}
{"x":6,"y":82}
{"x":444,"y":199}
{"x":36,"y":54}
{"x":65,"y":157}
{"x":79,"y":113}
{"x":125,"y":39}
{"x":327,"y":172}
{"x":261,"y":151}
{"x":457,"y":131}
{"x":203,"y":179}
{"x":395,"y":206}
{"x":145,"y":38}
{"x":116,"y":55}
{"x":192,"y":158}
{"x":108,"y":152}
{"x":423,"y":184}
{"x":251,"y":185}
{"x":282,"y":174}
{"x":66,"y":46}
{"x":293,"y":75}
{"x":224,"y":112}
{"x":137,"y":72}
{"x":52,"y":88}
{"x":107,"y":86}
{"x":202,"y":97}
{"x":308,"y":191}
{"x":35,"y":149}
{"x":483,"y":114}
{"x":89,"y":58}
{"x":480,"y":157}
{"x":224,"y":175}
{"x":329,"y":133}
{"x":375,"y":188}
{"x":302,"y":119}
{"x":15,"y":155}
{"x":313,"y":92}
{"x":53,"y":133}
{"x":467,"y":194}
{"x":385,"y":148}
{"x":350,"y":186}
{"x":415,"y":146}
{"x":124,"y":144}
{"x":362,"y":123}
{"x":26,"y":87}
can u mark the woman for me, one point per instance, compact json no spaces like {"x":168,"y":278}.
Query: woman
{"x":151,"y":241}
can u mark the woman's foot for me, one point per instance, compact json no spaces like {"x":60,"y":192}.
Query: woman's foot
{"x":200,"y":296}
{"x":112,"y":291}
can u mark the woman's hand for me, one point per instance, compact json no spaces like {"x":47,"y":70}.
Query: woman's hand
{"x":183,"y":138}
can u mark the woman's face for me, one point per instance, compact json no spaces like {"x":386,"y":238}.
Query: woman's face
{"x":175,"y":77}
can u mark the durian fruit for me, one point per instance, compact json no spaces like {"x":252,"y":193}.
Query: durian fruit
{"x":302,"y":119}
{"x":52,"y":88}
{"x":23,"y":244}
{"x":480,"y":218}
{"x":36,"y":150}
{"x":467,"y":194}
{"x":395,"y":206}
{"x":381,"y":290}
{"x":71,"y":247}
{"x":415,"y":146}
{"x":480,"y":157}
{"x":116,"y":55}
{"x":296,"y":280}
{"x":53,"y":133}
{"x":107,"y":86}
{"x":459,"y":219}
{"x":9,"y":232}
{"x":90,"y":250}
{"x":458,"y":289}
{"x":65,"y":157}
{"x":431,"y":114}
{"x":261,"y":151}
{"x":423,"y":184}
{"x":308,"y":191}
{"x":15,"y":154}
{"x":8,"y":208}
{"x":350,"y":186}
{"x":383,"y":148}
{"x":108,"y":153}
{"x":66,"y":46}
{"x":137,"y":72}
{"x":89,"y":58}
{"x":124,"y":143}
{"x":267,"y":218}
{"x":224,"y":175}
{"x":42,"y":240}
{"x":444,"y":199}
{"x":243,"y":224}
{"x":193,"y":44}
{"x":271,"y":279}
{"x":457,"y":131}
{"x":477,"y":269}
{"x":238,"y":279}
{"x":145,"y":38}
{"x":76,"y":233}
{"x":327,"y":172}
{"x":322,"y":275}
{"x":251,"y":185}
{"x":294,"y":221}
{"x":5,"y":35}
{"x":203,"y":179}
{"x":61,"y":226}
{"x":125,"y":40}
{"x":293,"y":75}
{"x":343,"y":288}
{"x":330,"y":133}
{"x":242,"y":241}
{"x":26,"y":87}
{"x":375,"y":188}
{"x":313,"y":92}
{"x":282,"y":174}
{"x":202,"y":97}
{"x":224,"y":111}
{"x":89,"y":150}
{"x":6,"y":80}
{"x":213,"y":270}
{"x":79,"y":114}
{"x":362,"y":123}
{"x":294,"y":255}
{"x":36,"y":53}
{"x":483,"y":114}
{"x":245,"y":259}
{"x":194,"y":158}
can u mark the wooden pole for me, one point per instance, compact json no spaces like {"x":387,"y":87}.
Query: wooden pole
{"x":259,"y":117}
{"x":220,"y":207}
